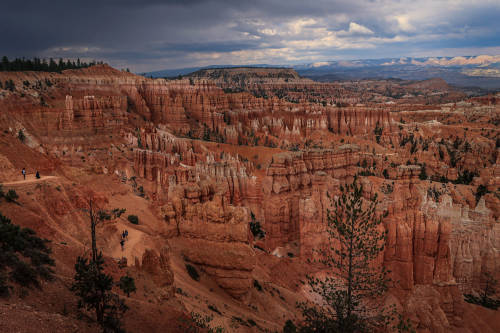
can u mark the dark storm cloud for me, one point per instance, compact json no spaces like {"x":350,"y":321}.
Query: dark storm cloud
{"x":155,"y":34}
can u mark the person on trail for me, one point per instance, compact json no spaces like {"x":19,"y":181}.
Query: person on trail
{"x":122,"y":242}
{"x":37,"y":174}
{"x":123,"y":234}
{"x":24,"y":173}
{"x":126,"y":234}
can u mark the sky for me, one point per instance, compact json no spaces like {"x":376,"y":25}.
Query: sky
{"x":147,"y":35}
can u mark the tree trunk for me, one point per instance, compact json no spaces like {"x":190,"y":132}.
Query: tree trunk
{"x":93,"y":223}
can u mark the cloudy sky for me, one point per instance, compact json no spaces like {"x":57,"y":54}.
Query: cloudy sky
{"x":149,"y":35}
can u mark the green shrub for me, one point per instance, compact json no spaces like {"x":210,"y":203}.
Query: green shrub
{"x":423,"y":173}
{"x":11,"y":196}
{"x":133,"y":219}
{"x":466,"y":177}
{"x":118,"y":211}
{"x":24,"y":257}
{"x":484,"y":296}
{"x":441,"y":154}
{"x":489,"y":303}
{"x":481,"y":190}
{"x":21,"y":136}
{"x":289,"y":327}
{"x":257,"y":285}
{"x":214,"y":309}
{"x":127,"y":284}
{"x":256,"y":228}
{"x":141,"y":191}
{"x":193,"y":273}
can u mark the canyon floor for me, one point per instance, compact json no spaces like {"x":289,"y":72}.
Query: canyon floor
{"x":200,"y":158}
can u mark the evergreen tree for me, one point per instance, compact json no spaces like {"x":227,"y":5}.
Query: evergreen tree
{"x":489,"y":289}
{"x":423,"y":173}
{"x":355,"y":242}
{"x":127,"y":284}
{"x":10,"y":85}
{"x":22,"y":64}
{"x":378,"y":132}
{"x":289,"y":327}
{"x":5,"y":64}
{"x":21,"y":136}
{"x":92,"y":285}
{"x":60,"y":65}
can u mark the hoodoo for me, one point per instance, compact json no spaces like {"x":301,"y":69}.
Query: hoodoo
{"x":225,"y":193}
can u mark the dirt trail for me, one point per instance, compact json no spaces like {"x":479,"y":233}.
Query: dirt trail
{"x":29,"y":179}
{"x":130,"y":247}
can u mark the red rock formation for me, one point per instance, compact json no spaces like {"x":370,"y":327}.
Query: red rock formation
{"x":160,"y":270}
{"x":98,"y":114}
{"x":295,"y":194}
{"x":349,"y":121}
{"x":153,"y":133}
{"x":216,"y":236}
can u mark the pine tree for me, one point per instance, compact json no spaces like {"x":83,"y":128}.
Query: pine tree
{"x":485,"y":295}
{"x":52,"y":65}
{"x":5,"y":63}
{"x":91,"y":284}
{"x":94,"y":287}
{"x":423,"y":173}
{"x":127,"y":284}
{"x":10,"y":85}
{"x":21,"y":136}
{"x":355,"y":242}
{"x":60,"y":65}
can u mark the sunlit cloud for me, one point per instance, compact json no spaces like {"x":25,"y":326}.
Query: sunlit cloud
{"x":154,"y":34}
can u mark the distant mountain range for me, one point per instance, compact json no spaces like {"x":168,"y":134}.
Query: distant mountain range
{"x":481,"y":71}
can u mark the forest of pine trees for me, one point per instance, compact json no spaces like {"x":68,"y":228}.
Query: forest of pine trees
{"x":42,"y":65}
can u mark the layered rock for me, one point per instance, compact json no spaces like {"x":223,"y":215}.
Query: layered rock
{"x":159,"y":268}
{"x":350,"y":121}
{"x":295,"y":194}
{"x":216,"y":235}
{"x":93,"y":114}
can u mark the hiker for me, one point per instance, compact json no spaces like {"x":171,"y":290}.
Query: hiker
{"x":24,"y":173}
{"x":122,"y":243}
{"x":37,"y":174}
{"x":126,"y":234}
{"x":123,"y":234}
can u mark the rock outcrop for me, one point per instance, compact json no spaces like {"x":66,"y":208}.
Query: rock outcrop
{"x":159,"y":268}
{"x":216,"y":235}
